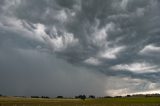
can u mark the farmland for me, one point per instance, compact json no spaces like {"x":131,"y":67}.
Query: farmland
{"x":142,"y":101}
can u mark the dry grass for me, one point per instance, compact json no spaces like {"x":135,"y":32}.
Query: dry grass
{"x":15,"y":101}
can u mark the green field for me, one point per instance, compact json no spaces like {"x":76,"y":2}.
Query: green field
{"x":13,"y":101}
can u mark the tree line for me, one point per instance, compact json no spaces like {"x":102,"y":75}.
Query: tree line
{"x":83,"y":96}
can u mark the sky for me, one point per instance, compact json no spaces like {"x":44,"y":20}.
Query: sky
{"x":72,"y":47}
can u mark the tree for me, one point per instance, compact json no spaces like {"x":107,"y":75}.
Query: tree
{"x":128,"y":95}
{"x":34,"y":96}
{"x":59,"y":96}
{"x":118,"y":97}
{"x":91,"y":96}
{"x":83,"y":97}
{"x":107,"y":97}
{"x":45,"y":97}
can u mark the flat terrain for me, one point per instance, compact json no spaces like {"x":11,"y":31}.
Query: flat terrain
{"x":15,"y":101}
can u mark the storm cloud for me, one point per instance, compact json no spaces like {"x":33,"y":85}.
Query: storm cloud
{"x":71,"y":47}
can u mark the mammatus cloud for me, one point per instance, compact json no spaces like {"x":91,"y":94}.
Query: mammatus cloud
{"x":83,"y":46}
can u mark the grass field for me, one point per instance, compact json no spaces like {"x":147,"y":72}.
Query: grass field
{"x":12,"y":101}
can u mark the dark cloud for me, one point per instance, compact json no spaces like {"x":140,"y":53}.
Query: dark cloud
{"x":114,"y":38}
{"x":29,"y":72}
